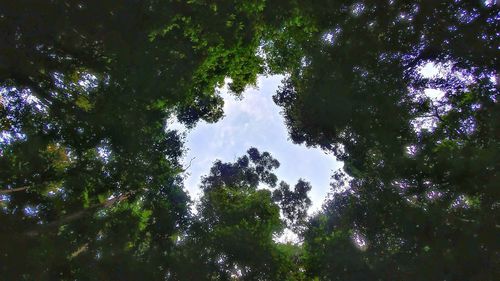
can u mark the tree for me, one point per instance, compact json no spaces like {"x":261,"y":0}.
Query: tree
{"x":91,"y":181}
{"x":90,"y":178}
{"x":423,"y":171}
{"x":237,"y":222}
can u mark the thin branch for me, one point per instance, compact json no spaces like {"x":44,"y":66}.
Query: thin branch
{"x":80,"y":250}
{"x":24,"y":188}
{"x":436,"y":114}
{"x":188,"y":166}
{"x":468,"y":220}
{"x":457,"y":131}
{"x":7,"y":191}
{"x":81,"y":213}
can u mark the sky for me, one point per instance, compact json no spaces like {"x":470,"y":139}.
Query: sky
{"x":255,"y":121}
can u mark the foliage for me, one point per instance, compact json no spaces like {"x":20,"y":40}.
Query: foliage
{"x":90,"y":173}
{"x":90,"y":177}
{"x":423,"y":171}
{"x":236,"y":223}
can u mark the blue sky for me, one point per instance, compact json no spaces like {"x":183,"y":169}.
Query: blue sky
{"x":255,"y":121}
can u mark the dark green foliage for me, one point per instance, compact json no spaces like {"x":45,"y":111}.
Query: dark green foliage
{"x":424,"y":173}
{"x":233,"y":234}
{"x":293,"y":203}
{"x":90,"y":175}
{"x":90,"y":178}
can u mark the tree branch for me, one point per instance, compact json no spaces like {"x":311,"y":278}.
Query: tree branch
{"x":7,"y":191}
{"x":81,"y":213}
{"x":188,"y":166}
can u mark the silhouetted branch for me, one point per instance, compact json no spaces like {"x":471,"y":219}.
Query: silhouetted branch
{"x":7,"y":191}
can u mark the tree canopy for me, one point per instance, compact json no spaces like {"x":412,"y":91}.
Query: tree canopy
{"x":91,"y":180}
